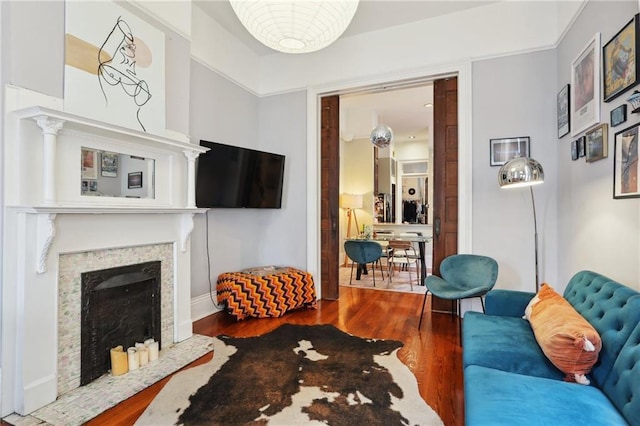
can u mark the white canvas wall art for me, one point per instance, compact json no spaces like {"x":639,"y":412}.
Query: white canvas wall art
{"x":114,"y":66}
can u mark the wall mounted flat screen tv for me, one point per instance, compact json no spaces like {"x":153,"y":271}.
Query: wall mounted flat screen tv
{"x":233,"y":177}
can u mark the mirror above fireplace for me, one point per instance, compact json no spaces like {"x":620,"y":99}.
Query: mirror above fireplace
{"x":113,"y":174}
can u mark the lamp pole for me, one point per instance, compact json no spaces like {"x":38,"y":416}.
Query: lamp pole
{"x":535,"y":232}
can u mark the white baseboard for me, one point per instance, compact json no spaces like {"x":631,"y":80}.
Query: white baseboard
{"x":202,"y":306}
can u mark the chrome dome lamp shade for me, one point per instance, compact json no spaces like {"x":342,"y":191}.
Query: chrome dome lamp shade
{"x":381,"y":136}
{"x":518,"y":173}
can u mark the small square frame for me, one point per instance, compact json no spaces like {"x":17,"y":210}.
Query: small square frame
{"x":505,"y":149}
{"x":581,"y":142}
{"x":596,"y":143}
{"x":618,"y":115}
{"x":134,"y":180}
{"x":625,"y":163}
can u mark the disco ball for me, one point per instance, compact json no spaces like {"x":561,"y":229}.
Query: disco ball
{"x":381,"y":136}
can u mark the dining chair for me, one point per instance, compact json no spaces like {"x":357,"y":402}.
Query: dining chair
{"x":363,"y":252}
{"x":462,"y":276}
{"x":403,"y":254}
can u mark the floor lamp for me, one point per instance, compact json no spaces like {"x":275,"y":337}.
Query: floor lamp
{"x":518,"y":173}
{"x":351,"y":202}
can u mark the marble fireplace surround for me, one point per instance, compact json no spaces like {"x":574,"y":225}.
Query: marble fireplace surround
{"x":47,"y":223}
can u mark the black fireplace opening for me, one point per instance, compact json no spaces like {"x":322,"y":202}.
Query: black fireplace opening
{"x":120,"y":306}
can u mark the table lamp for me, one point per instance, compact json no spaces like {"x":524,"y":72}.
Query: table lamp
{"x":521,"y":172}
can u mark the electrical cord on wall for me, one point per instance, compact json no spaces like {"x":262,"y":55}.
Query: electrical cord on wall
{"x":209,"y":261}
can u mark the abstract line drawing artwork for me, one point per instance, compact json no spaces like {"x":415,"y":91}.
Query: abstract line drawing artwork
{"x":114,"y":67}
{"x":120,"y":70}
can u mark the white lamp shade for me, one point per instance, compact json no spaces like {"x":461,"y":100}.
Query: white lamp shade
{"x":519,"y":172}
{"x":298,"y":26}
{"x":351,"y":201}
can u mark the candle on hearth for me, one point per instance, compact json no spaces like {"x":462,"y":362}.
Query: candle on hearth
{"x":154,"y":349}
{"x":119,"y":364}
{"x":148,"y":341}
{"x":139,"y":345}
{"x":132,"y":358}
{"x":143,"y":354}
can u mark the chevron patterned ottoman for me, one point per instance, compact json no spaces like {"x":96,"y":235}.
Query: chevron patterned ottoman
{"x":268,"y":291}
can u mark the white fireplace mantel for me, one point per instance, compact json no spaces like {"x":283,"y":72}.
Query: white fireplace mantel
{"x":47,"y":216}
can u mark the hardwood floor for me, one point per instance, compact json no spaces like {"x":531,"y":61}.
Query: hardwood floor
{"x":433,"y":353}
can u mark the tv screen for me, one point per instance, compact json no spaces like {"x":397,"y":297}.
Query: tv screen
{"x":233,"y":177}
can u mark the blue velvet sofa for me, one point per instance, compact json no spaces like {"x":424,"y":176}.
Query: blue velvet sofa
{"x":509,"y":381}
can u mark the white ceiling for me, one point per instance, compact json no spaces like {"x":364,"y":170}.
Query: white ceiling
{"x":371,"y":15}
{"x":402,"y":109}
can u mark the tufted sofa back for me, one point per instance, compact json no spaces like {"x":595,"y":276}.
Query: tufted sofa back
{"x":621,"y":385}
{"x":612,"y":309}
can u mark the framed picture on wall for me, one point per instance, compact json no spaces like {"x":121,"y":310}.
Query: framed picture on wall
{"x":585,"y":87}
{"x":618,"y":115}
{"x":596,"y":143}
{"x":574,"y":150}
{"x":134,"y":180}
{"x":581,"y":146}
{"x":619,"y":63}
{"x":625,"y":163}
{"x":564,"y":121}
{"x":505,"y":149}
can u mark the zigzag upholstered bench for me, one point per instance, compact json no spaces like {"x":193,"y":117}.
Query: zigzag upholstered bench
{"x":264,"y":292}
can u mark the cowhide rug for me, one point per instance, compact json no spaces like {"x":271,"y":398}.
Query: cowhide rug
{"x":296,"y":374}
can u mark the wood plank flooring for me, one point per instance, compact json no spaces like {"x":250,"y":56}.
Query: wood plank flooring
{"x":433,"y":353}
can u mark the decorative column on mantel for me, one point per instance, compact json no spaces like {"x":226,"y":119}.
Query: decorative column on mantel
{"x":50,"y":128}
{"x":191,"y":176}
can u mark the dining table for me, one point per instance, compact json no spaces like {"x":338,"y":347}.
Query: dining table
{"x":421,"y":241}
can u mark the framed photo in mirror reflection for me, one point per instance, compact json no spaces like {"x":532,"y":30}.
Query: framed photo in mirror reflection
{"x":89,"y":163}
{"x":134,"y":180}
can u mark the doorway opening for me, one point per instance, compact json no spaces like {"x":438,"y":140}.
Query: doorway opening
{"x":334,"y":173}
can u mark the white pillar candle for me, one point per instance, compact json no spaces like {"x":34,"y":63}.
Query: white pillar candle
{"x":154,"y":350}
{"x":139,"y":345}
{"x":132,"y":357}
{"x":148,"y":342}
{"x":143,"y":354}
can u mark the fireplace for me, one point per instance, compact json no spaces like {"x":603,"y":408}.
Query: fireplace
{"x":120,"y":306}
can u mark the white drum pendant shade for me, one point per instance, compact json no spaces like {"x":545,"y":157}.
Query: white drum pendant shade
{"x":298,"y":26}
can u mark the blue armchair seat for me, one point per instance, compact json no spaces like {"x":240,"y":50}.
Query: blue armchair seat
{"x":508,"y":379}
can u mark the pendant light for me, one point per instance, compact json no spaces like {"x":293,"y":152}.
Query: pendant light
{"x":298,"y":26}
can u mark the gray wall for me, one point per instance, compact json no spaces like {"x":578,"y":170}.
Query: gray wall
{"x":240,"y":238}
{"x":515,"y":96}
{"x":595,"y":231}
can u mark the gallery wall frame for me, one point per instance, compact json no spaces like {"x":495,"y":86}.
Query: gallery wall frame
{"x":625,"y":163}
{"x":564,"y":118}
{"x":581,"y":143}
{"x":596,"y":143}
{"x":574,"y":150}
{"x":505,"y":149}
{"x":619,"y":63}
{"x":618,"y":115}
{"x":585,"y":87}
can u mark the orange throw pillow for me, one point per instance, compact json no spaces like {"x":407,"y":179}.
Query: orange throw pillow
{"x":565,"y":337}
